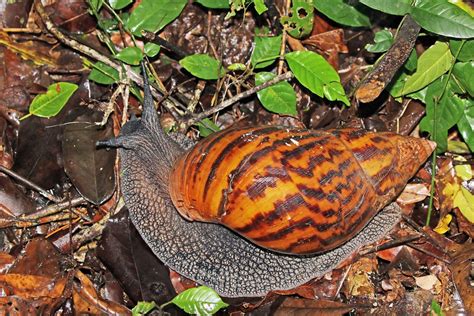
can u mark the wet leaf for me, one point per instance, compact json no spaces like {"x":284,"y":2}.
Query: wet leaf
{"x":279,"y":98}
{"x":207,"y":127}
{"x":90,"y":169}
{"x":466,"y":124}
{"x":443,"y":18}
{"x":96,"y":5}
{"x":467,"y":49}
{"x":151,"y":49}
{"x":400,"y":7}
{"x":40,"y":258}
{"x":342,"y":12}
{"x":260,"y":6}
{"x":130,"y":55}
{"x":13,"y":200}
{"x":200,"y":300}
{"x":39,"y":156}
{"x":237,"y":67}
{"x":142,"y":308}
{"x":464,"y":72}
{"x":50,"y":103}
{"x":316,"y":74}
{"x":433,"y":63}
{"x":436,"y":308}
{"x":104,"y":74}
{"x":215,"y":4}
{"x":202,"y":66}
{"x":88,"y":301}
{"x":119,"y":4}
{"x":383,"y":40}
{"x":33,"y":286}
{"x":442,"y":115}
{"x":142,"y":275}
{"x":267,"y":49}
{"x":153,"y":15}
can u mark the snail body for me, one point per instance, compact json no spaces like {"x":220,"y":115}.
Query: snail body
{"x":294,"y":191}
{"x":216,"y":256}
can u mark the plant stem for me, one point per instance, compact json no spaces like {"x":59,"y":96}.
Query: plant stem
{"x":433,"y":161}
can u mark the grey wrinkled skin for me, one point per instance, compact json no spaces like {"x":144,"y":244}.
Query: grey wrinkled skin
{"x":207,"y":253}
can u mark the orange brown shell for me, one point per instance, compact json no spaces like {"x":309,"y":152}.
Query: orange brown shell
{"x":294,"y":190}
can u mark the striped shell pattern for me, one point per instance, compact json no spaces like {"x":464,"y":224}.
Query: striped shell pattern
{"x":294,"y":191}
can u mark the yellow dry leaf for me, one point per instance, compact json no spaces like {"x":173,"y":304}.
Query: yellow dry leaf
{"x":443,"y":224}
{"x":451,"y":189}
{"x":464,"y":200}
{"x":463,"y":171}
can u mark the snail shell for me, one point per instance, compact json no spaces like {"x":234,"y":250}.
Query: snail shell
{"x":294,"y":191}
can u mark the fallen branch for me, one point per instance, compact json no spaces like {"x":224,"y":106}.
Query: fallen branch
{"x":383,"y":72}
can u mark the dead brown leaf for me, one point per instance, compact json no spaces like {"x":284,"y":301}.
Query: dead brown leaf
{"x":88,"y":301}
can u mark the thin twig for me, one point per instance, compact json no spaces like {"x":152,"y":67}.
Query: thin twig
{"x":71,"y":42}
{"x":52,"y":209}
{"x":30,"y":184}
{"x":286,"y":76}
{"x":390,"y":244}
{"x":168,"y":102}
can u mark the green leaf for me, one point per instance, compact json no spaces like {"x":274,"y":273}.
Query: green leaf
{"x":443,"y":18}
{"x":467,"y":50}
{"x":343,"y":13}
{"x":199,"y":300}
{"x":202,"y":66}
{"x":260,"y":6}
{"x":412,"y":61}
{"x":464,"y":200}
{"x":395,"y":87}
{"x":383,"y":40}
{"x":458,"y":147}
{"x":448,"y":112}
{"x":55,"y":98}
{"x":279,"y":98}
{"x":316,"y":74}
{"x":236,"y":6}
{"x":119,"y":4}
{"x":267,"y":49}
{"x":104,"y":74}
{"x":464,"y":72}
{"x":207,"y":127}
{"x":95,"y":5}
{"x":215,"y":4}
{"x":130,"y":55}
{"x":108,"y":25}
{"x":151,"y":49}
{"x":153,"y":15}
{"x":237,"y":67}
{"x":436,"y":308}
{"x":433,"y":63}
{"x":299,"y":21}
{"x":466,"y":124}
{"x":398,"y":7}
{"x":142,"y":308}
